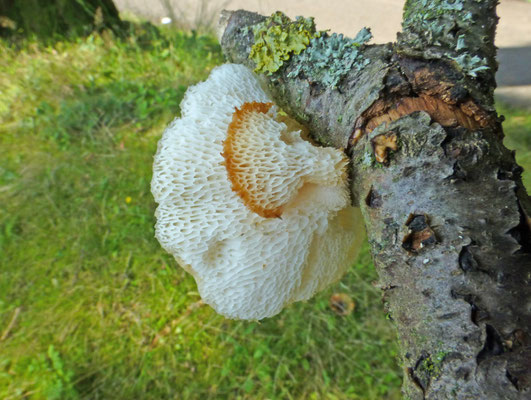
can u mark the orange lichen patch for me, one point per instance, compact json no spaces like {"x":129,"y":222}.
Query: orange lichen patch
{"x":236,"y":164}
{"x":381,"y":144}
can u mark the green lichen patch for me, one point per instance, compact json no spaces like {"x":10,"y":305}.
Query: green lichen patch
{"x":437,"y":23}
{"x":470,"y":64}
{"x":277,"y":38}
{"x":431,"y":365}
{"x":329,"y":58}
{"x":429,"y":368}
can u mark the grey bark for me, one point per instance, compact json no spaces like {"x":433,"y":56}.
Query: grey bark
{"x":446,"y":213}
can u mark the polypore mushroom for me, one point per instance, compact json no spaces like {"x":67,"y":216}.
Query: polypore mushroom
{"x":260,"y":217}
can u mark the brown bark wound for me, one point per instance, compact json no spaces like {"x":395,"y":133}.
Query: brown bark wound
{"x":420,"y":234}
{"x":382,"y":144}
{"x":448,"y":115}
{"x":445,"y":101}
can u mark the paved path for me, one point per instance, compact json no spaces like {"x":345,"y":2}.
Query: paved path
{"x":382,"y":16}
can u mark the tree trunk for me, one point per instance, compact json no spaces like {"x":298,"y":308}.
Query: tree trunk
{"x":446,"y":213}
{"x":46,"y":18}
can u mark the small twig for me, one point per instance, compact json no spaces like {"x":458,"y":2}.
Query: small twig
{"x":11,"y":324}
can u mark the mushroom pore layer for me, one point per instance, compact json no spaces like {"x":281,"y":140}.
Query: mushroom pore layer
{"x":260,"y":217}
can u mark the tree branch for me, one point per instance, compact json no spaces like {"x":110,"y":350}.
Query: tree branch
{"x":461,"y":31}
{"x":446,"y":214}
{"x":306,"y":100}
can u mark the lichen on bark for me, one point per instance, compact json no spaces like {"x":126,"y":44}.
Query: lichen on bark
{"x":460,"y":31}
{"x":437,"y":23}
{"x":277,"y":38}
{"x":447,"y":216}
{"x":329,"y":58}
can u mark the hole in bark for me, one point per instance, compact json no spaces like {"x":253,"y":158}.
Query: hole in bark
{"x":373,"y":199}
{"x":457,"y":175}
{"x":396,"y":83}
{"x":520,"y":337}
{"x":462,"y":373}
{"x":417,"y":223}
{"x":474,"y":314}
{"x":513,"y":173}
{"x":416,"y":380}
{"x":504,"y":175}
{"x":467,"y":262}
{"x":477,"y":314}
{"x":512,"y":379}
{"x":493,"y":345}
{"x":522,"y":232}
{"x":420,"y":234}
{"x":454,"y":31}
{"x":452,"y":133}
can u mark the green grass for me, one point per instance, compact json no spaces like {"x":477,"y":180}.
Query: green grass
{"x":517,"y":127}
{"x":102,"y":312}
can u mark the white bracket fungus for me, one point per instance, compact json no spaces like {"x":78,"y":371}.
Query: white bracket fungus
{"x":259,"y":216}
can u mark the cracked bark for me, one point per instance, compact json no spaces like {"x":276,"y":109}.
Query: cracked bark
{"x":446,"y":213}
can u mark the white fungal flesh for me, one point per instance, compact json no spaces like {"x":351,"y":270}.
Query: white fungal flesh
{"x":268,"y":164}
{"x":247,"y":266}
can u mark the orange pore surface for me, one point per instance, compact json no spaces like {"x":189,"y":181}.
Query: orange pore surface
{"x":233,"y":160}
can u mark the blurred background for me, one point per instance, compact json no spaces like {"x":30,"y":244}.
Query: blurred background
{"x":90,"y":306}
{"x":383,"y":17}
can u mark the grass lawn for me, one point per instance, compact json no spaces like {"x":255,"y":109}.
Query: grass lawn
{"x":90,"y":306}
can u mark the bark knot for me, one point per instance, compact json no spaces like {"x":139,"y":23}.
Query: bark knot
{"x":420,"y":233}
{"x":382,"y":144}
